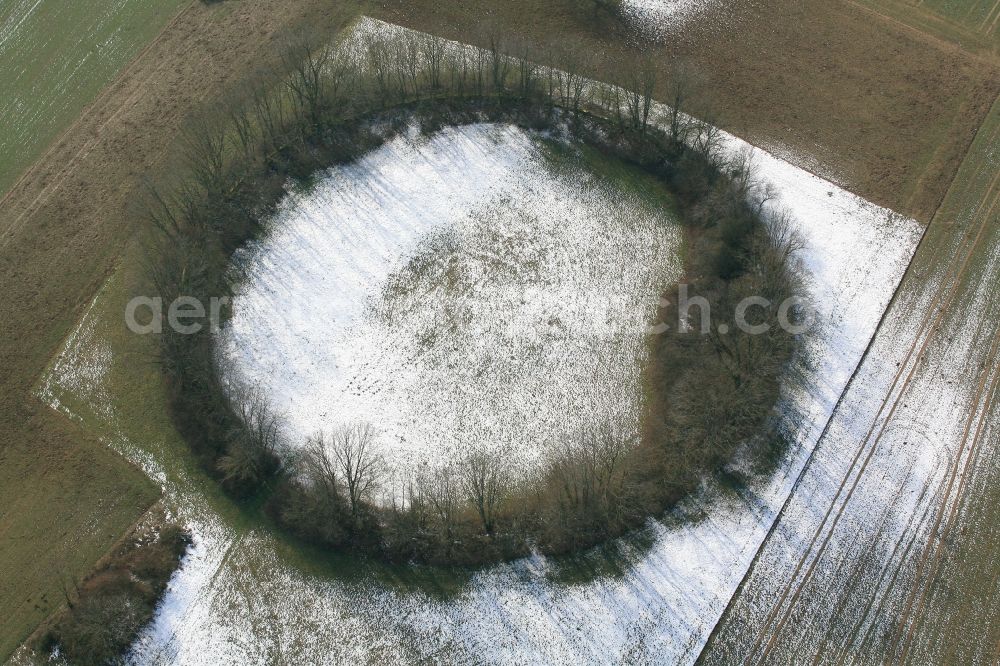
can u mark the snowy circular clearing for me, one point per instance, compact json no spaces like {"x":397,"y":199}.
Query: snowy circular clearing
{"x":660,"y":18}
{"x":473,"y":290}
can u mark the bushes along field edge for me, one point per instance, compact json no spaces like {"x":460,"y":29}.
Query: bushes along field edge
{"x":709,"y":394}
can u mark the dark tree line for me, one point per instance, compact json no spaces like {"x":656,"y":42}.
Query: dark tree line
{"x":106,"y":611}
{"x":324,"y":105}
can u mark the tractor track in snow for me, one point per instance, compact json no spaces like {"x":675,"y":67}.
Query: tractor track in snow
{"x":943,"y":299}
{"x":936,"y":540}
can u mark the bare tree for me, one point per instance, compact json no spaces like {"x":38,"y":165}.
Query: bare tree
{"x":308,"y":82}
{"x":678,"y":92}
{"x":253,"y":443}
{"x":479,"y":63}
{"x":640,"y":84}
{"x":776,"y":262}
{"x":378,"y":66}
{"x":610,"y":98}
{"x":485,"y":482}
{"x":569,"y":80}
{"x":434,"y":55}
{"x":269,"y":111}
{"x":589,"y":471}
{"x":204,"y":145}
{"x":527,"y":69}
{"x":706,"y":138}
{"x":319,"y":468}
{"x":443,"y":493}
{"x":241,"y":120}
{"x":407,"y":61}
{"x":499,"y":63}
{"x":358,"y":462}
{"x":458,"y":64}
{"x":159,"y":210}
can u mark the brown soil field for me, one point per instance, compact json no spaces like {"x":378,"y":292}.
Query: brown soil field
{"x":64,"y":497}
{"x":972,"y":24}
{"x":874,"y":105}
{"x":796,"y":76}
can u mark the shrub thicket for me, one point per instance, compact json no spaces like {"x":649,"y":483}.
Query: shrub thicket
{"x":105,"y":613}
{"x":709,"y":393}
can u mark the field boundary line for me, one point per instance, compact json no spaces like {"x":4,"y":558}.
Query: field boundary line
{"x":36,"y":634}
{"x":867,"y":636}
{"x":104,"y":96}
{"x":936,"y":537}
{"x":984,"y":56}
{"x":746,"y":576}
{"x":936,"y":541}
{"x":854,"y":576}
{"x":895,"y":397}
{"x":822,"y":436}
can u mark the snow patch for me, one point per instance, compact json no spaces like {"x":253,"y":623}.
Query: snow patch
{"x":659,"y":18}
{"x":454,"y":293}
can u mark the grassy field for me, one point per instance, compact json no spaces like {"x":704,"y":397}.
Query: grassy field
{"x":64,"y":496}
{"x":979,"y":14}
{"x":974,"y":25}
{"x":55,"y":57}
{"x":80,"y":499}
{"x":908,"y":577}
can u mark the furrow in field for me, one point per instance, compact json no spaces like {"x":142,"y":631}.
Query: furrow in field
{"x":969,"y":31}
{"x":795,"y":598}
{"x":55,"y":60}
{"x":100,"y":113}
{"x":942,"y":301}
{"x":939,"y":536}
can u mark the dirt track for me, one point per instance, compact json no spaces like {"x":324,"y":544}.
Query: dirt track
{"x":61,"y":229}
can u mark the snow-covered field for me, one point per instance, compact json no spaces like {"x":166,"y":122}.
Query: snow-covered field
{"x":660,"y":18}
{"x":881,"y":471}
{"x":886,"y":550}
{"x":454,"y":293}
{"x":236,"y":599}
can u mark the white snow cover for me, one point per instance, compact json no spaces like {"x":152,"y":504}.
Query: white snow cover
{"x":454,"y":294}
{"x":659,"y":18}
{"x":868,"y":500}
{"x":236,"y":600}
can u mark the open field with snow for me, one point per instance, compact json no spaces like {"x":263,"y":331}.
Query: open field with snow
{"x":886,"y":550}
{"x":459,"y":293}
{"x":667,"y":589}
